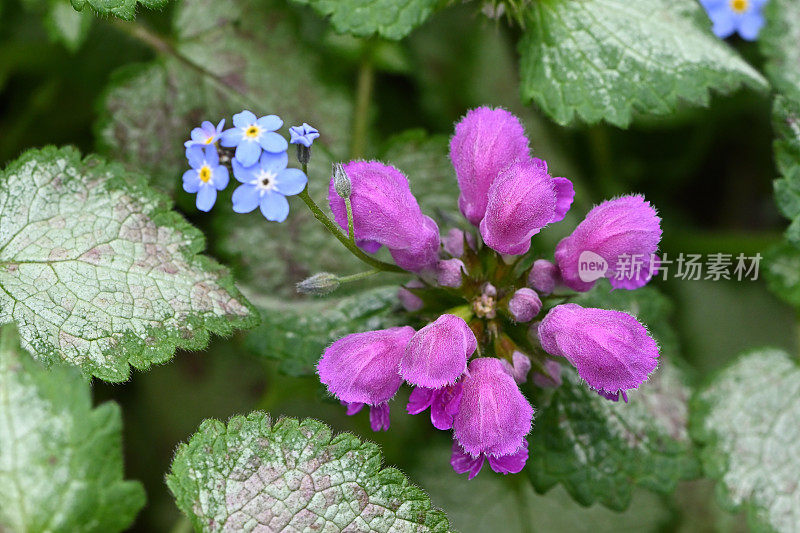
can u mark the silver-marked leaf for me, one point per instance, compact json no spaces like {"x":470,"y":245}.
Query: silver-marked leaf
{"x":60,"y":459}
{"x":610,"y":59}
{"x":296,"y":333}
{"x":778,"y":41}
{"x":254,"y":475}
{"x":748,"y":419}
{"x":393,"y":19}
{"x":124,"y":9}
{"x":98,"y":272}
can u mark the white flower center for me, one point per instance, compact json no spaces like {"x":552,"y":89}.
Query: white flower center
{"x":265,"y":180}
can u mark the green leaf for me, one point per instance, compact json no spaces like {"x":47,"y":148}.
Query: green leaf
{"x":124,"y":9}
{"x":782,"y":272}
{"x":60,"y":459}
{"x":748,"y":419}
{"x":297,"y":333}
{"x":778,"y":41}
{"x":393,"y":19}
{"x":786,"y":122}
{"x":67,"y":26}
{"x":600,"y":449}
{"x":227,"y":55}
{"x":98,"y":272}
{"x":610,"y":59}
{"x":292,"y":475}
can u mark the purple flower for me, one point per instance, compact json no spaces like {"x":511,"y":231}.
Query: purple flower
{"x":544,"y":276}
{"x":379,"y":419}
{"x":550,"y":380}
{"x":621,"y":236}
{"x":385,"y":213}
{"x":462,"y":462}
{"x":486,"y":142}
{"x":206,"y":134}
{"x":206,"y":177}
{"x":613,"y":396}
{"x":443,"y":402}
{"x":266,"y":185}
{"x":437,"y":354}
{"x":453,"y":242}
{"x":730,"y":16}
{"x":449,"y":272}
{"x":304,"y":135}
{"x":494,"y":416}
{"x":250,"y":134}
{"x":362,"y":367}
{"x":520,"y":367}
{"x":524,"y":305}
{"x":521,"y":201}
{"x":611,"y":349}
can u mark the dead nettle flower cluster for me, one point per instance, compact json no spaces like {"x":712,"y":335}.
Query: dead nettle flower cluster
{"x":489,"y":321}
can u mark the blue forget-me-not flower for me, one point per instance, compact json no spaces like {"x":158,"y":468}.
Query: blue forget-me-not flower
{"x":304,"y":135}
{"x":206,"y":134}
{"x":732,"y":16}
{"x":206,"y":176}
{"x":266,"y":185}
{"x":250,"y":135}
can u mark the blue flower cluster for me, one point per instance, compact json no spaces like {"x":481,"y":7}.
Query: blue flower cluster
{"x":259,"y":163}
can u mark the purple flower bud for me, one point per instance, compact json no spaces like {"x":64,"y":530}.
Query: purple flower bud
{"x":550,"y":380}
{"x":611,"y":349}
{"x":362,"y":367}
{"x":443,"y":402}
{"x":410,"y":301}
{"x":520,"y":368}
{"x":613,"y":239}
{"x":544,"y":276}
{"x":521,"y":201}
{"x":454,"y":242}
{"x":449,"y":272}
{"x":486,"y":141}
{"x":437,"y":354}
{"x":524,"y":305}
{"x":462,"y":462}
{"x":385,"y":213}
{"x":494,"y":416}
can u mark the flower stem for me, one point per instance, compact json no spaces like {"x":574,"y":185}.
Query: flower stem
{"x":350,"y":245}
{"x":366,"y":79}
{"x":350,"y":232}
{"x":358,"y":277}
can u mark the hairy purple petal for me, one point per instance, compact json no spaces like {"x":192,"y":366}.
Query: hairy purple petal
{"x":520,"y":367}
{"x":379,"y":417}
{"x":437,"y":354}
{"x":352,"y":408}
{"x":611,"y":349}
{"x":626,"y":227}
{"x":494,"y":416}
{"x":362,"y":367}
{"x":462,"y":462}
{"x":521,"y":201}
{"x":512,"y":463}
{"x":524,"y":305}
{"x":385,"y":213}
{"x":486,"y":141}
{"x":444,"y":403}
{"x":419,"y":400}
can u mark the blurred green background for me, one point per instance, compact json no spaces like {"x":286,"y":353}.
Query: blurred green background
{"x":709,"y":171}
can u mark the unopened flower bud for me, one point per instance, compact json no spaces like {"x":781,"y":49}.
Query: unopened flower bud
{"x":524,"y":305}
{"x":449,"y":272}
{"x":321,"y":283}
{"x":303,"y":154}
{"x":410,"y":301}
{"x":341,"y":181}
{"x":544,"y":276}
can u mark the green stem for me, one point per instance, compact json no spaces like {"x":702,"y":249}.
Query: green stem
{"x":366,"y":79}
{"x":358,"y":277}
{"x":350,"y":231}
{"x":350,"y":245}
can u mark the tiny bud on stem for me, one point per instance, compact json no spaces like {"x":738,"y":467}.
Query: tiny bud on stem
{"x":321,"y":283}
{"x":341,"y":182}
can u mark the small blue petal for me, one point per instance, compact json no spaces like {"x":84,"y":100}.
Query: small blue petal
{"x":208,"y":127}
{"x":274,"y":206}
{"x":274,"y":163}
{"x":273,"y":142}
{"x":242,"y":173}
{"x":270,"y":122}
{"x":244,"y":119}
{"x":191,"y":182}
{"x":206,"y":197}
{"x":220,"y":177}
{"x":750,"y":25}
{"x":290,"y":181}
{"x":199,"y":135}
{"x":231,"y":137}
{"x":194,"y":154}
{"x":220,"y":126}
{"x":247,"y":152}
{"x":245,"y":198}
{"x":211,"y":155}
{"x":724,"y":22}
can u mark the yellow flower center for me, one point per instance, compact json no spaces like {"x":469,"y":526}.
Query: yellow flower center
{"x":208,"y":141}
{"x":252,"y":131}
{"x":205,"y":173}
{"x":740,"y":6}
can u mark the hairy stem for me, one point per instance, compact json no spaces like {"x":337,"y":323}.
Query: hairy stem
{"x":350,"y":231}
{"x":358,"y":277}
